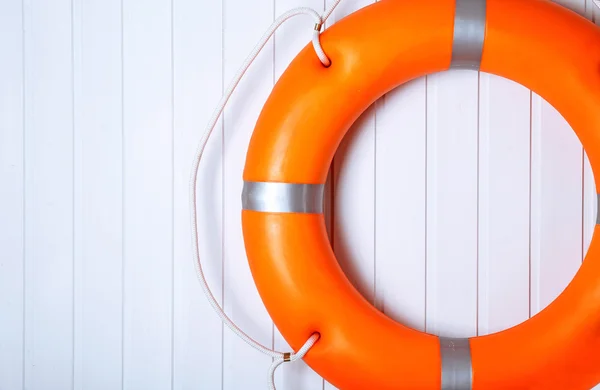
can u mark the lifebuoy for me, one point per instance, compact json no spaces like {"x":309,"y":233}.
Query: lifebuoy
{"x":541,"y":45}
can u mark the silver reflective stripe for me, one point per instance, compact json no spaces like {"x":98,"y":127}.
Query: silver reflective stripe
{"x":283,"y":197}
{"x":469,"y":34}
{"x":457,"y":373}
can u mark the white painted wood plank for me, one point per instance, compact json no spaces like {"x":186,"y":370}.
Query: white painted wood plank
{"x":49,"y":195}
{"x":452,"y":101}
{"x":400,"y":203}
{"x":504,"y":152}
{"x":556,"y":208}
{"x":244,"y":24}
{"x":98,"y":195}
{"x":198,"y":81}
{"x":148,"y":194}
{"x":11,"y":195}
{"x":289,"y":40}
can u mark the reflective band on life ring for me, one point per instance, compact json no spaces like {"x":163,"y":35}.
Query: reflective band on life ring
{"x":469,"y":33}
{"x":457,"y":372}
{"x":541,"y":45}
{"x":283,"y":197}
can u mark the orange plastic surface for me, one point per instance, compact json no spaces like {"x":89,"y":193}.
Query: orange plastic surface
{"x":534,"y":42}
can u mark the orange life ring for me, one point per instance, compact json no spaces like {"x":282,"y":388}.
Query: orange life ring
{"x":543,"y":46}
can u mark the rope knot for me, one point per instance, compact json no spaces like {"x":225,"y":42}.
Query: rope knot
{"x":288,"y":357}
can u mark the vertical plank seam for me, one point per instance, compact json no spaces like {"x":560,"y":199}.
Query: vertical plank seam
{"x":483,"y":135}
{"x":583,"y":203}
{"x":477,"y":243}
{"x":172,"y":200}
{"x":376,"y":298}
{"x":73,"y":205}
{"x":222,"y":194}
{"x":123,"y":186}
{"x":530,"y":199}
{"x":425,"y":241}
{"x":374,"y":277}
{"x":24,"y":172}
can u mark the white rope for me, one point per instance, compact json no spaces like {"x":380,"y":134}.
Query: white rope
{"x":278,"y":357}
{"x":292,"y":358}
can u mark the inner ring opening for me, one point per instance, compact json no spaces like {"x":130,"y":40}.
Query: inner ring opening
{"x":460,"y":204}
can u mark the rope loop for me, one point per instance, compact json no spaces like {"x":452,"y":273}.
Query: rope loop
{"x":278,"y":357}
{"x":291,"y":357}
{"x":316,"y":41}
